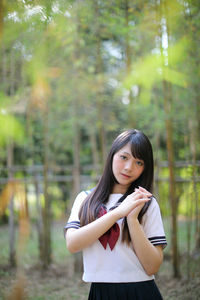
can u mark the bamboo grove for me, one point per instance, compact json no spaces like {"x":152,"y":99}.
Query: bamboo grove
{"x":74,"y":74}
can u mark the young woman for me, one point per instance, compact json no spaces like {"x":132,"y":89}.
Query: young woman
{"x":118,"y":225}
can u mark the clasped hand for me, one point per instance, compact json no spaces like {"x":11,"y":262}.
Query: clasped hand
{"x":133,"y":203}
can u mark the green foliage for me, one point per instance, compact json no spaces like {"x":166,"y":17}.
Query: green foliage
{"x":99,"y":66}
{"x":10,"y":128}
{"x":151,"y":70}
{"x":11,"y":131}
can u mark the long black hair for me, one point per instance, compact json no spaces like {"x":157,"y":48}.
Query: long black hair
{"x":141,"y":148}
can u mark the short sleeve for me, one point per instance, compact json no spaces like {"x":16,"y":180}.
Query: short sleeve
{"x":153,"y":225}
{"x":73,"y":221}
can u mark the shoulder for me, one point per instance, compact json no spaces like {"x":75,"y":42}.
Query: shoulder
{"x":82,"y":195}
{"x":153,"y":205}
{"x":153,"y":211}
{"x":79,"y":199}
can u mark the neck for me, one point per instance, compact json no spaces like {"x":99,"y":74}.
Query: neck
{"x":119,"y":189}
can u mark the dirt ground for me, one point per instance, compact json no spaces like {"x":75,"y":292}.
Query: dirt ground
{"x":58,"y":283}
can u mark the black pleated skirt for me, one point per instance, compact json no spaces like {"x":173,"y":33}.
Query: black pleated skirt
{"x":145,"y":290}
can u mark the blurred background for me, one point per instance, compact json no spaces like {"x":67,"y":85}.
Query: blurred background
{"x":73,"y":75}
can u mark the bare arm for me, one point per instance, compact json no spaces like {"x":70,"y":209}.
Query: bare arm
{"x":77,"y":239}
{"x":150,"y":256}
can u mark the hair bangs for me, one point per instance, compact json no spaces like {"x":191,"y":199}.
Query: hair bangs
{"x":138,"y":149}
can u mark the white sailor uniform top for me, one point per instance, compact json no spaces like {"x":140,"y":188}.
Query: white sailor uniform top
{"x":121,"y":264}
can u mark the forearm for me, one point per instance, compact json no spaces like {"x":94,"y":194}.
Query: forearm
{"x":78,"y":239}
{"x":150,"y":256}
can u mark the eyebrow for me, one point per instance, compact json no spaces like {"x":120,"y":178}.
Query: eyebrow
{"x":124,"y":152}
{"x":130,"y":154}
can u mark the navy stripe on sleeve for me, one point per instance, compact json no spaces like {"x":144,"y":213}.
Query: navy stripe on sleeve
{"x":158,"y":240}
{"x":73,"y":224}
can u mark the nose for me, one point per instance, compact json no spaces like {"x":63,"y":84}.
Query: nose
{"x":128,"y":165}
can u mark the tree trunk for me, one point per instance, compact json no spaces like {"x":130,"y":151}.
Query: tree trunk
{"x":167,"y":95}
{"x":12,"y":73}
{"x":47,"y":203}
{"x":95,"y":156}
{"x":194,"y":124}
{"x":39,"y":224}
{"x":47,"y":206}
{"x":1,"y":17}
{"x":194,"y":157}
{"x":4,"y":70}
{"x":195,"y":196}
{"x":10,"y":174}
{"x":38,"y":189}
{"x":157,"y":163}
{"x":190,"y":202}
{"x":131,"y":106}
{"x":12,"y":244}
{"x":172,"y":190}
{"x":102,"y":135}
{"x":76,"y":159}
{"x":99,"y":83}
{"x":189,"y":228}
{"x":78,"y":265}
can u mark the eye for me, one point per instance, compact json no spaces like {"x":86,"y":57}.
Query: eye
{"x":140,"y":163}
{"x":123,"y":157}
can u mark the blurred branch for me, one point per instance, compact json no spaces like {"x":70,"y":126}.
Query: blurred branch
{"x":1,"y":17}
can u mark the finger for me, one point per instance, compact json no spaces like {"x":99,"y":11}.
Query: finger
{"x":142,"y":200}
{"x":136,"y":192}
{"x":142,"y":194}
{"x":139,"y":195}
{"x":144,"y":191}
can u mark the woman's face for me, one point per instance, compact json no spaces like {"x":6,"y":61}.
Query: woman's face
{"x":126,"y":169}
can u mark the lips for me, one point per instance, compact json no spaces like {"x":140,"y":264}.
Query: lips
{"x":125,"y":176}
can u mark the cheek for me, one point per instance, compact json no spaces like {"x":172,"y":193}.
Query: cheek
{"x":141,"y":171}
{"x":117,"y":163}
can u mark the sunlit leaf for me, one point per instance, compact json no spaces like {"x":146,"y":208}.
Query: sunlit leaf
{"x":154,"y":68}
{"x":10,"y":129}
